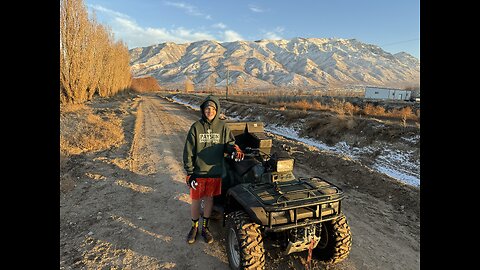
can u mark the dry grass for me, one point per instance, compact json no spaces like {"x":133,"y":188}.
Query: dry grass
{"x":336,"y":105}
{"x":302,"y":104}
{"x":331,"y":123}
{"x":370,"y":109}
{"x":343,"y":108}
{"x":332,"y":128}
{"x":294,"y":116}
{"x":249,"y":99}
{"x":83,"y":131}
{"x":404,"y":113}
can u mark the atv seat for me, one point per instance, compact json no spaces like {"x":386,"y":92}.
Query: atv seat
{"x":250,"y":134}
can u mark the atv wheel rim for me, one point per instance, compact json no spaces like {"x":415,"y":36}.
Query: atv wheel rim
{"x":234,"y":248}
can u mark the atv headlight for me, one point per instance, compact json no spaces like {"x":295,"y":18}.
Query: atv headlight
{"x":285,"y":165}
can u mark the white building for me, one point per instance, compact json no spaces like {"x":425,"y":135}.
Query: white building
{"x":387,"y":93}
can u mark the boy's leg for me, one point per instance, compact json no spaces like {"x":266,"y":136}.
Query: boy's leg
{"x":207,"y":211}
{"x":211,"y":187}
{"x":195,"y":211}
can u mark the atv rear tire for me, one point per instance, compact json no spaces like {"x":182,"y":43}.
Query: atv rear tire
{"x":244,"y":242}
{"x":335,"y":241}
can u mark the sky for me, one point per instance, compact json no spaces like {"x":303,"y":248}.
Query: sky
{"x":393,"y":25}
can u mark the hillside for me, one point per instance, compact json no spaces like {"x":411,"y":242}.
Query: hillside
{"x":306,"y":62}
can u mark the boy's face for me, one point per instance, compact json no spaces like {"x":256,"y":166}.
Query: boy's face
{"x":210,"y":112}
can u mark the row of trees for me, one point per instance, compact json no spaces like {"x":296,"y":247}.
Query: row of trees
{"x":91,"y":62}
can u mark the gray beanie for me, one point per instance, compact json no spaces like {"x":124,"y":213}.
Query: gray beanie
{"x":210,"y":103}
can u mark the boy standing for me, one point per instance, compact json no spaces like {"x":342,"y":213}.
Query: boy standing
{"x":203,"y":157}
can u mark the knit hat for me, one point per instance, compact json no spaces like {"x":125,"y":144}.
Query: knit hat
{"x":210,"y":103}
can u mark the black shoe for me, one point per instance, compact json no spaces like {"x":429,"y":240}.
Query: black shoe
{"x":207,"y":235}
{"x":192,"y":235}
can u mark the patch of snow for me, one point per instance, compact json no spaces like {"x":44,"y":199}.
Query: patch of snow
{"x":186,"y":104}
{"x":413,"y":139}
{"x":393,"y":163}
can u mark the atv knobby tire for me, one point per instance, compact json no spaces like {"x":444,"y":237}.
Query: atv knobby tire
{"x":244,"y":242}
{"x":335,"y":241}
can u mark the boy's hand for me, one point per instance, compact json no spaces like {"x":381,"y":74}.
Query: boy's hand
{"x":190,"y":181}
{"x":238,"y":154}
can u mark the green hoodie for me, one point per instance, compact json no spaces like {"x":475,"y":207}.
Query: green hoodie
{"x":206,"y":143}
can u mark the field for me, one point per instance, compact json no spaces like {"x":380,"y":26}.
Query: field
{"x":124,"y":204}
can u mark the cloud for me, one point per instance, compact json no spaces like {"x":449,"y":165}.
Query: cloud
{"x":126,"y":29}
{"x":134,"y":35}
{"x":108,"y":12}
{"x":219,"y":25}
{"x":255,"y":8}
{"x":189,"y":9}
{"x":274,"y":34}
{"x":230,"y":36}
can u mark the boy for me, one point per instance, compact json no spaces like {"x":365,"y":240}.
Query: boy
{"x":203,"y":157}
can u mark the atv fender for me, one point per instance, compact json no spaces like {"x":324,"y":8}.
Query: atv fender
{"x":245,"y":199}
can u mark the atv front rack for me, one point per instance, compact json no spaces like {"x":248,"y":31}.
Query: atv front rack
{"x":298,"y":203}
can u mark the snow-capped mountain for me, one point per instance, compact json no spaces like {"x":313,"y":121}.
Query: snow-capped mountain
{"x":318,"y":62}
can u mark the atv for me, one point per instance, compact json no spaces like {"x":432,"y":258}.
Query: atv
{"x":262,"y":198}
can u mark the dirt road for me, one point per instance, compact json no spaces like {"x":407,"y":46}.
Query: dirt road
{"x":129,"y":208}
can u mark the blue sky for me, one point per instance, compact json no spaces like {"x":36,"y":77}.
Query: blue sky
{"x":394,"y":25}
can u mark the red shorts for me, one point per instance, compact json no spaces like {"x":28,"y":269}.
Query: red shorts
{"x":206,"y":187}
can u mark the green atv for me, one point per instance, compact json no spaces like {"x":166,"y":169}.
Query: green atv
{"x":262,"y":198}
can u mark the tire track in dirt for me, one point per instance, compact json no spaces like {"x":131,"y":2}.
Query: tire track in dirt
{"x":132,"y":155}
{"x":166,"y":126}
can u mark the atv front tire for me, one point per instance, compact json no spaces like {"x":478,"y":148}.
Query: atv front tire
{"x":244,"y":242}
{"x":335,"y":241}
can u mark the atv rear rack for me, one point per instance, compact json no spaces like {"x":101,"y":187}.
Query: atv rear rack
{"x":297,"y":203}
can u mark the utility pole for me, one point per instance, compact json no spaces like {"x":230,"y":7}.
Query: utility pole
{"x":226,"y":91}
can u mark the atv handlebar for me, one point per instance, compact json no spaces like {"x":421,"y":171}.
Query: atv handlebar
{"x":249,"y":152}
{"x":255,"y":151}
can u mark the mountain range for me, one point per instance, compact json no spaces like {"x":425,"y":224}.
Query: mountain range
{"x":298,"y":62}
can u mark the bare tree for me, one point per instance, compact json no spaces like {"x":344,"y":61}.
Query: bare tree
{"x":90,"y":60}
{"x":74,"y":34}
{"x":188,"y":85}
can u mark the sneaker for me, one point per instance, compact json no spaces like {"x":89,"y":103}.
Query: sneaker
{"x":207,"y":235}
{"x":192,"y":235}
